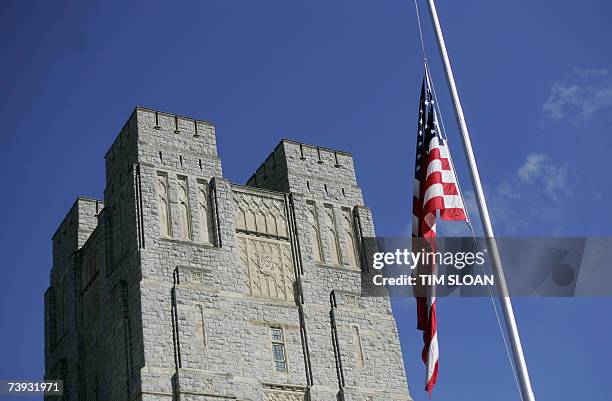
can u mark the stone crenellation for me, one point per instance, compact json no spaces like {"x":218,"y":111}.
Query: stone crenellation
{"x":181,"y":285}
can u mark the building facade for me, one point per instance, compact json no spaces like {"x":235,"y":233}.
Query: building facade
{"x":183,"y":286}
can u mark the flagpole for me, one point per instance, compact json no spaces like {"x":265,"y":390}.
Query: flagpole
{"x":506,"y":303}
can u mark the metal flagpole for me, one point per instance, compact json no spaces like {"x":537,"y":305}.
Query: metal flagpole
{"x":513,"y":334}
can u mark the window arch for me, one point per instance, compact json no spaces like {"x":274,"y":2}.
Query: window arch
{"x":184,"y":212}
{"x":315,"y":234}
{"x":163,"y":205}
{"x":332,"y":235}
{"x":204,"y":209}
{"x":351,"y":240}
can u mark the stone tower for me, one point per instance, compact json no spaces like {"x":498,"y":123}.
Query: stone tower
{"x":183,"y":286}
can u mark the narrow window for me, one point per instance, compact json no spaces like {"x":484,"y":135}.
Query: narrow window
{"x":332,"y":234}
{"x":349,"y":232}
{"x":200,"y":328}
{"x":358,"y":346}
{"x":163,"y":205}
{"x":204,"y":208}
{"x":176,"y":125}
{"x":196,"y":135}
{"x":315,"y":234}
{"x":278,"y":349}
{"x":185,"y":215}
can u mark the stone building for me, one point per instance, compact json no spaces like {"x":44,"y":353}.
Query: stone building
{"x":181,"y":285}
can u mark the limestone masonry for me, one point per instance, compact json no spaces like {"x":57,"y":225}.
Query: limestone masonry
{"x":183,"y":286}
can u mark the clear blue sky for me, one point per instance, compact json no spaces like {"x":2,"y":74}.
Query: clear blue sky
{"x":536,"y":83}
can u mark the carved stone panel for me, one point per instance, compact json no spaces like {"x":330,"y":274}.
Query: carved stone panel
{"x":284,"y":396}
{"x":260,"y":213}
{"x":268,"y":265}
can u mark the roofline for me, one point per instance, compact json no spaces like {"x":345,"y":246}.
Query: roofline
{"x":133,"y":113}
{"x":340,"y":152}
{"x":79,"y":198}
{"x":258,"y":190}
{"x":285,"y":140}
{"x":173,"y":114}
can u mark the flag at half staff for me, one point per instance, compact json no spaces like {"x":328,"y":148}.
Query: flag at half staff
{"x":436,"y":193}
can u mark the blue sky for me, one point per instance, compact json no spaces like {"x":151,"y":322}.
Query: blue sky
{"x":536,"y":84}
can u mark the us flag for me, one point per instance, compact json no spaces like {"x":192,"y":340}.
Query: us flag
{"x":436,"y":194}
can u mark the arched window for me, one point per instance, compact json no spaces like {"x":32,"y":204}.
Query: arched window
{"x":315,"y":235}
{"x":349,"y":232}
{"x":204,"y":209}
{"x":185,"y":217}
{"x":163,"y":205}
{"x":332,"y":235}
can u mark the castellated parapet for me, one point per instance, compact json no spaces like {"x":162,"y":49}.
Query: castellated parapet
{"x":181,"y":285}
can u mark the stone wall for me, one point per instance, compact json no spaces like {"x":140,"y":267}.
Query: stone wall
{"x":182,"y":285}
